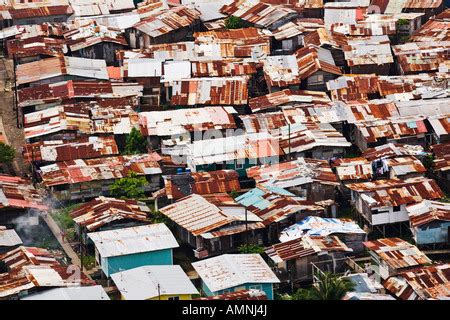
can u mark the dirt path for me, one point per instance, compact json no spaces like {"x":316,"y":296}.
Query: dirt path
{"x":14,"y":135}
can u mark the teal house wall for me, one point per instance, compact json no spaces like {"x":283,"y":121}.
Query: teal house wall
{"x":266,"y":287}
{"x":112,"y":265}
{"x":436,"y":232}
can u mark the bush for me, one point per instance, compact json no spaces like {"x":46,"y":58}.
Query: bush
{"x":63,"y":218}
{"x":251,"y":248}
{"x":130,"y":187}
{"x":136,"y":142}
{"x":233,"y":22}
{"x":7,"y":153}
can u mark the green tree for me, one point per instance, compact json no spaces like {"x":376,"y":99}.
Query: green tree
{"x":427,"y":161}
{"x":233,"y":22}
{"x":7,"y":153}
{"x":234,"y":194}
{"x":130,"y":187}
{"x":251,"y":248}
{"x":136,"y":142}
{"x":328,"y":287}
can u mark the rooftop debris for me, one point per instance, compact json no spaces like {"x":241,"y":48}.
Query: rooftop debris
{"x":18,"y":193}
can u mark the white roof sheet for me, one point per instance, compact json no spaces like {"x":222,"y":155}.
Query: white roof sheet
{"x":133,"y":240}
{"x":9,"y":238}
{"x":142,"y":283}
{"x":71,"y":293}
{"x":230,"y":270}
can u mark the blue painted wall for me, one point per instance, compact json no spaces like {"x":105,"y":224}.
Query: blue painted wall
{"x":266,"y":287}
{"x":433,"y":233}
{"x":116,"y":264}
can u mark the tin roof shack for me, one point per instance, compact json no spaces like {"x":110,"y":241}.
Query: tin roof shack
{"x":353,"y":87}
{"x":289,"y":36}
{"x":213,"y":224}
{"x":405,"y":167}
{"x":350,"y":170}
{"x":238,"y":152}
{"x":105,"y":93}
{"x":128,"y":248}
{"x":252,"y":294}
{"x":163,"y":26}
{"x":294,"y":259}
{"x":392,"y":150}
{"x":101,"y":214}
{"x":37,"y":12}
{"x":441,"y":164}
{"x":35,"y":48}
{"x":260,"y":14}
{"x":209,"y":91}
{"x":406,"y":130}
{"x":308,"y":178}
{"x":9,"y":239}
{"x":365,"y":288}
{"x":344,"y":12}
{"x":71,"y":293}
{"x":173,"y":130}
{"x":429,"y":222}
{"x":66,"y":150}
{"x":408,"y":23}
{"x":415,"y":57}
{"x":312,"y":140}
{"x":391,"y":256}
{"x":63,"y":122}
{"x":58,"y":69}
{"x":181,"y":185}
{"x":31,"y":269}
{"x":383,"y":202}
{"x":369,"y":54}
{"x":100,"y":7}
{"x":281,"y":72}
{"x":235,"y":272}
{"x":278,"y":208}
{"x":346,"y":230}
{"x":84,"y":179}
{"x":435,"y":29}
{"x":423,"y":283}
{"x":154,"y":283}
{"x":232,"y":43}
{"x":275,"y":100}
{"x":316,"y":67}
{"x":95,"y":41}
{"x":429,"y":8}
{"x":441,"y":128}
{"x":18,"y":195}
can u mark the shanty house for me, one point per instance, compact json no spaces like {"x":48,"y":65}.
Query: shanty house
{"x":237,"y":152}
{"x":441,"y":164}
{"x":163,"y":26}
{"x":310,"y":179}
{"x":430,"y":222}
{"x":213,"y":224}
{"x":101,"y":214}
{"x":154,"y":283}
{"x":383,"y":202}
{"x":128,"y":248}
{"x":424,"y":283}
{"x":70,"y":293}
{"x":391,"y":256}
{"x":295,"y":259}
{"x":84,"y":179}
{"x":9,"y":239}
{"x":234,"y":272}
{"x":346,"y":230}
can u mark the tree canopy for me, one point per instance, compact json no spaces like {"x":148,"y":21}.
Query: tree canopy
{"x":233,"y":22}
{"x":7,"y":153}
{"x":251,"y":248}
{"x":130,"y":187}
{"x":329,"y":287}
{"x":136,"y":142}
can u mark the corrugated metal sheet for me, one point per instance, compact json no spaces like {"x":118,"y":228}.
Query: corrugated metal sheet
{"x":18,"y":193}
{"x":232,"y":270}
{"x":397,"y":253}
{"x":100,"y":211}
{"x":428,"y":211}
{"x":126,"y":241}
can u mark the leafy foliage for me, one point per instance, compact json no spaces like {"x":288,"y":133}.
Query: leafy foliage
{"x":136,"y":142}
{"x":329,"y":287}
{"x":427,"y":161}
{"x":233,"y":22}
{"x":251,"y":248}
{"x":158,"y":217}
{"x":234,"y":194}
{"x":130,"y":187}
{"x":7,"y":153}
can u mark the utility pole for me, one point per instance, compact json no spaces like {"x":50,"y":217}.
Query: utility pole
{"x":289,"y":137}
{"x":246,"y":228}
{"x":81,"y":249}
{"x":159,"y":292}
